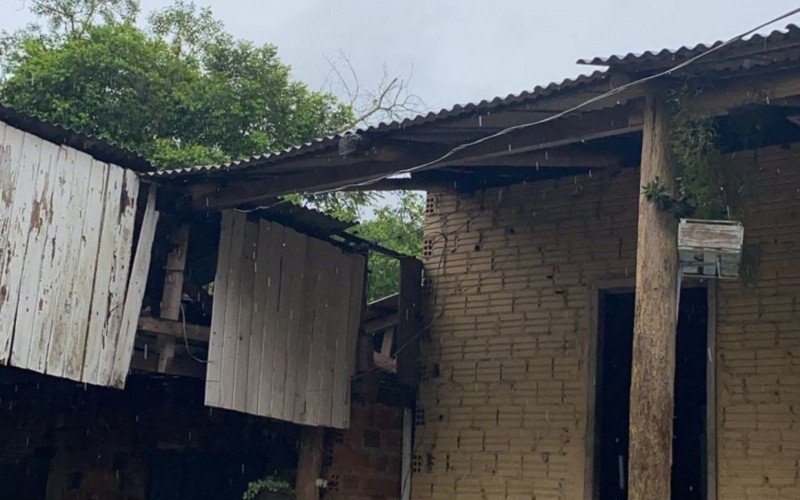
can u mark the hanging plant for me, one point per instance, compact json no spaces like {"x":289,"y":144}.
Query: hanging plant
{"x":706,"y":186}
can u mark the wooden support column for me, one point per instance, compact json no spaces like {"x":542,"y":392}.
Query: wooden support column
{"x":173,"y":292}
{"x":309,"y":463}
{"x":655,"y":321}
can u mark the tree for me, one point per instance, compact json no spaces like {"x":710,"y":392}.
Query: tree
{"x":177,"y":96}
{"x":397,"y":226}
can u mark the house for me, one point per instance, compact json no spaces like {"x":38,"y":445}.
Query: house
{"x":543,"y":256}
{"x":550,"y":345}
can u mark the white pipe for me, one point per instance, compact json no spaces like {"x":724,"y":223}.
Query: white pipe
{"x":405,"y":480}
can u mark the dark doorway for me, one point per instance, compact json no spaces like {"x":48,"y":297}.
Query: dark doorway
{"x":615,"y":337}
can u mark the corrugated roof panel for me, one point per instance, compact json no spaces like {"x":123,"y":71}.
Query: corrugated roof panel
{"x":100,"y":149}
{"x":332,"y":140}
{"x":791,"y":33}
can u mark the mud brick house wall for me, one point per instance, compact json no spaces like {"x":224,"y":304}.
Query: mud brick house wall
{"x":504,"y":407}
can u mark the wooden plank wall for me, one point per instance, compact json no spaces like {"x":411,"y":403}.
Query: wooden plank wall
{"x":284,"y":327}
{"x":66,"y":237}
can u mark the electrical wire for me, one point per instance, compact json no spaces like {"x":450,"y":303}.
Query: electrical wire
{"x":186,"y":339}
{"x":561,"y":114}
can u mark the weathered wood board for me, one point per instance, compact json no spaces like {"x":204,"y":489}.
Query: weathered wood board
{"x":287,"y":309}
{"x":66,"y":239}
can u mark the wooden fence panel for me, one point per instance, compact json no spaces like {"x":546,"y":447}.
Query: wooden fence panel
{"x":284,"y":315}
{"x":66,"y":239}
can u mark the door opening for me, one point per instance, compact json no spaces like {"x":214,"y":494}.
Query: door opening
{"x":615,"y":338}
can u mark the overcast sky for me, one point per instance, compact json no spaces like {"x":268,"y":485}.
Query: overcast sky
{"x":468,"y":50}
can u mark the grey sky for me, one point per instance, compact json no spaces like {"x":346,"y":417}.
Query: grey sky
{"x":469,"y":50}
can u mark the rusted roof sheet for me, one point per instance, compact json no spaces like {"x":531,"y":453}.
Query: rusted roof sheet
{"x":97,"y":148}
{"x":333,"y":140}
{"x":778,"y":39}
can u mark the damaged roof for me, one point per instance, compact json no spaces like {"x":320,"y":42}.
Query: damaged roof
{"x":97,"y":148}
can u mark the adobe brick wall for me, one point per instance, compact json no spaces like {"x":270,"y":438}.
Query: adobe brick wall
{"x":364,"y":461}
{"x":504,"y":394}
{"x":758,"y":342}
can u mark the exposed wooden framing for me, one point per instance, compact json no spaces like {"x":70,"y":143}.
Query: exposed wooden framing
{"x":173,"y":281}
{"x":571,"y":156}
{"x":409,"y":325}
{"x":173,"y":292}
{"x":309,"y":463}
{"x":655,"y":320}
{"x":173,"y":329}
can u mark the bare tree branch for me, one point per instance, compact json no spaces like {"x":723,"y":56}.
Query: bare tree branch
{"x":389,"y":100}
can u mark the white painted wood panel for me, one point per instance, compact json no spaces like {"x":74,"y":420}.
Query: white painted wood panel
{"x":283,"y":317}
{"x":66,"y":237}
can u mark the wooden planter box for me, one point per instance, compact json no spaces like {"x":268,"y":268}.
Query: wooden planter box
{"x":710,"y":248}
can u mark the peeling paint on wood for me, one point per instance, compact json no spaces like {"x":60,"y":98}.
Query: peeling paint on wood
{"x":66,"y":236}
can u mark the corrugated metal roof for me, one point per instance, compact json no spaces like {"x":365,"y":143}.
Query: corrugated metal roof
{"x":333,"y":140}
{"x":775,"y":39}
{"x":100,"y":149}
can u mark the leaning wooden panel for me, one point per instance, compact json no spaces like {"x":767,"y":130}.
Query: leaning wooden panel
{"x":135,"y":293}
{"x":66,"y":232}
{"x":290,"y":306}
{"x":10,"y":167}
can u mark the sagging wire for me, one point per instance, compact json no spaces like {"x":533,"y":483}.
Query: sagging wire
{"x":186,"y":338}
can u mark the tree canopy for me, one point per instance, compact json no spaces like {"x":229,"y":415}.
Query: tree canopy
{"x":187,"y":93}
{"x":182,"y":91}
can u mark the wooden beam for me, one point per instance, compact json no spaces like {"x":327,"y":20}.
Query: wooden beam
{"x":655,"y":320}
{"x":572,"y":156}
{"x":173,"y":280}
{"x":173,"y":329}
{"x":738,"y":92}
{"x":309,"y":463}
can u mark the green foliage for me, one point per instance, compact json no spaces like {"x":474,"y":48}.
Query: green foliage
{"x":186,"y":94}
{"x":269,"y":483}
{"x":398,"y":227}
{"x":711,"y":190}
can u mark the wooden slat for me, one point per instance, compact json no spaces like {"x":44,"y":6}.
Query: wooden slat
{"x":261,"y":285}
{"x":245,"y":315}
{"x":315,"y":256}
{"x":135,"y":293}
{"x":74,"y":217}
{"x":52,"y":266}
{"x":275,"y":254}
{"x":341,"y":372}
{"x":87,"y":255}
{"x":351,"y":333}
{"x":97,"y":335}
{"x":214,"y":364}
{"x":231,"y":328}
{"x":15,"y":181}
{"x":291,"y":314}
{"x":125,"y":210}
{"x":324,"y":288}
{"x":40,"y":218}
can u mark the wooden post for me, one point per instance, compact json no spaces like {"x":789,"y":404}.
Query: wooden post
{"x":173,"y":292}
{"x":655,"y":321}
{"x":409,"y":320}
{"x":309,"y":463}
